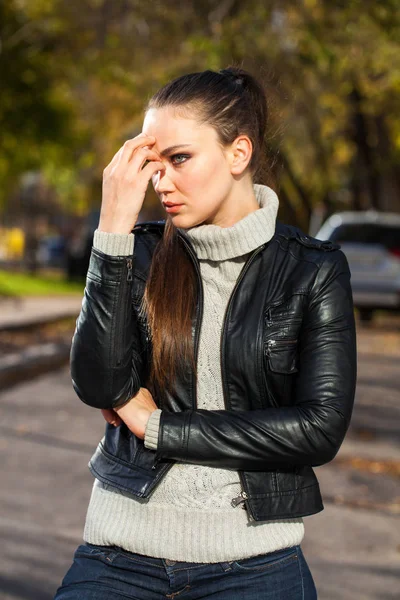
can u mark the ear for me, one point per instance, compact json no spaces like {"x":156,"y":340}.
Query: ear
{"x":240,"y":154}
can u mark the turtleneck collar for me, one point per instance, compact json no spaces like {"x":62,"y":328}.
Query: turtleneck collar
{"x":213,"y":242}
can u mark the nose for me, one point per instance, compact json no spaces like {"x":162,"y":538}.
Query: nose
{"x":162,"y":182}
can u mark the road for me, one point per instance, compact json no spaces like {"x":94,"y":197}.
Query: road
{"x":353,"y":548}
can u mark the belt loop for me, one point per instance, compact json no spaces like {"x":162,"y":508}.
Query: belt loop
{"x":227,"y":566}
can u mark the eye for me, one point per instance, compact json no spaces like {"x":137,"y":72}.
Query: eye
{"x":179,"y":162}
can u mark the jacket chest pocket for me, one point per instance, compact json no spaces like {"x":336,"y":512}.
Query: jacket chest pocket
{"x":280,"y":367}
{"x":282,"y":324}
{"x":281,"y":355}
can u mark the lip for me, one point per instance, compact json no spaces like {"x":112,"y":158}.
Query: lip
{"x":169,"y":207}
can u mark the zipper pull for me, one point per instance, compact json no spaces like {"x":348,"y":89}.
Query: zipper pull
{"x":156,"y":461}
{"x":129,"y":265}
{"x":268,"y":346}
{"x":239,"y":499}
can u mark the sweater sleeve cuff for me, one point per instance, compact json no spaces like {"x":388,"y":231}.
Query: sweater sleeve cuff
{"x":151,"y":430}
{"x":114,"y":244}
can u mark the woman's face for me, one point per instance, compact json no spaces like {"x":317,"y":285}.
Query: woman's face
{"x":197,"y":174}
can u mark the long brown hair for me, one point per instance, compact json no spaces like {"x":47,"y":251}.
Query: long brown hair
{"x":233,"y":102}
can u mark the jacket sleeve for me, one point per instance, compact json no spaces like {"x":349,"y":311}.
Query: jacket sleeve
{"x":106,"y":355}
{"x":309,"y":432}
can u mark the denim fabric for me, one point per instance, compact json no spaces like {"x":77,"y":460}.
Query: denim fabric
{"x":109,"y":572}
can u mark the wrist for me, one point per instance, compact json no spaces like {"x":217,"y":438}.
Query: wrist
{"x":115,"y":244}
{"x":152,"y":429}
{"x":115,"y":230}
{"x":118,"y":227}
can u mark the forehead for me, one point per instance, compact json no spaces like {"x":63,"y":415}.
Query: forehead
{"x":170,"y":128}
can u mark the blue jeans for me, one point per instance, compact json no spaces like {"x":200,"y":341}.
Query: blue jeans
{"x":109,"y":572}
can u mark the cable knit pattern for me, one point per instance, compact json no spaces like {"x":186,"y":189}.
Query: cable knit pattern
{"x":114,"y":244}
{"x":151,"y":431}
{"x":189,"y":515}
{"x":215,"y":243}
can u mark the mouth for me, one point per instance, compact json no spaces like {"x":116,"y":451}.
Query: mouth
{"x":172,"y":207}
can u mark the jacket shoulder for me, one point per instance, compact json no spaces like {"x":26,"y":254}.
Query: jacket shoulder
{"x":297,"y":236}
{"x":147,"y":236}
{"x":323,"y":253}
{"x":149,"y":227}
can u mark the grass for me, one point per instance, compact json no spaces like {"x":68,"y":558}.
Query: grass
{"x":22,"y":284}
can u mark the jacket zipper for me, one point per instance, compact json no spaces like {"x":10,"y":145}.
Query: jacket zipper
{"x":267,"y":311}
{"x":268,"y":347}
{"x":271,"y":343}
{"x":129,"y":268}
{"x":267,"y":352}
{"x":243,"y":496}
{"x":123,"y":303}
{"x":239,"y":499}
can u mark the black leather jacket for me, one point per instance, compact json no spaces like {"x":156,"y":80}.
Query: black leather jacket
{"x":288,"y":359}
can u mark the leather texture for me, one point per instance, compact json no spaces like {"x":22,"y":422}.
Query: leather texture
{"x":288,"y":363}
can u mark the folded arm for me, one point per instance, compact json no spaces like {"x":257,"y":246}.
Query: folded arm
{"x":311,"y":431}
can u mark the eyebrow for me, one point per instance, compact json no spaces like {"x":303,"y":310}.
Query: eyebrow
{"x":171,"y":148}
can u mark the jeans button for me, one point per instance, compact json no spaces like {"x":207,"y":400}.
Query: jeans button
{"x":170,"y":562}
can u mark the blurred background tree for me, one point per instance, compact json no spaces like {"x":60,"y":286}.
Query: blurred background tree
{"x":76,"y":75}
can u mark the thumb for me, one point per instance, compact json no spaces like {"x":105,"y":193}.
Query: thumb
{"x":111,"y":416}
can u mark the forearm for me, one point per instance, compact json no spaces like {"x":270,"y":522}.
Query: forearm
{"x":105,"y":347}
{"x":250,"y":440}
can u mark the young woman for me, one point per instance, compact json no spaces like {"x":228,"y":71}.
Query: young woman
{"x":220,"y":346}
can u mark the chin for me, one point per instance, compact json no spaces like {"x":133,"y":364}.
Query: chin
{"x":183,"y":222}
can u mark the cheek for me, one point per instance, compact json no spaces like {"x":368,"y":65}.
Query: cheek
{"x":206,"y":173}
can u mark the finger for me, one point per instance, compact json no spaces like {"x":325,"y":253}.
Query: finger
{"x":128,"y":147}
{"x":152,"y":168}
{"x":131,"y":146}
{"x":111,"y":417}
{"x":108,"y":415}
{"x":141,"y":157}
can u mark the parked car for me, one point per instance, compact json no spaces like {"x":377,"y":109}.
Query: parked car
{"x":371,"y":242}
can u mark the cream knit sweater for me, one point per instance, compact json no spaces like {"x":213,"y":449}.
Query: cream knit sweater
{"x":189,"y":515}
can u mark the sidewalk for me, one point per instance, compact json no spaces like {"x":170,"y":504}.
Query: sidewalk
{"x":47,"y":438}
{"x":37,"y":309}
{"x":39,"y":357}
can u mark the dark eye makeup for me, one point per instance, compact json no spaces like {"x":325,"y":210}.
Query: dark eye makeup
{"x":177,"y":163}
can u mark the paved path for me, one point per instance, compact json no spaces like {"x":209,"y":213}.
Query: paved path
{"x":47,"y":437}
{"x":27,"y":310}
